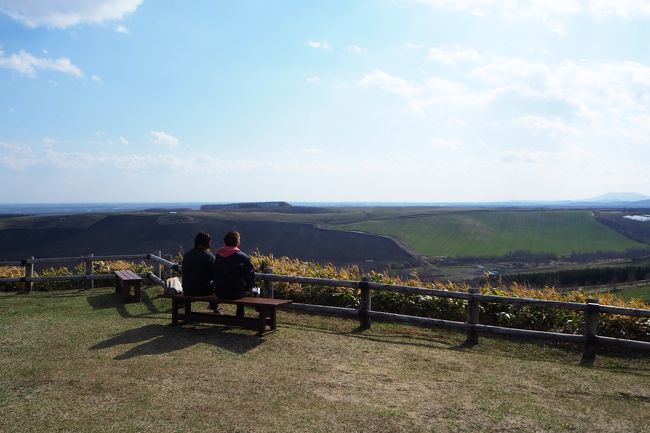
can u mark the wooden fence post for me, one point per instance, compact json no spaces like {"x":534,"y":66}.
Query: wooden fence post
{"x":472,"y":317}
{"x":590,"y":332}
{"x":29,"y":273}
{"x":269,"y":291}
{"x":157,"y":269}
{"x":90,"y":282}
{"x":365,"y":303}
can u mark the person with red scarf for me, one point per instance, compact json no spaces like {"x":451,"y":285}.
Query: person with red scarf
{"x":234,"y":274}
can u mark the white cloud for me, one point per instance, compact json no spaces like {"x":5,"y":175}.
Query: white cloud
{"x":447,"y":144}
{"x":123,"y":140}
{"x":97,"y":79}
{"x":412,"y":46}
{"x":314,"y":79}
{"x":122,"y":29}
{"x":453,"y":55}
{"x":555,"y":127}
{"x":323,"y":45}
{"x":527,"y":156}
{"x":163,"y":138}
{"x":28,"y":64}
{"x":195,"y":164}
{"x":356,"y":49}
{"x":66,"y":13}
{"x":570,"y":100}
{"x":390,"y":83}
{"x":16,"y":157}
{"x":553,"y":13}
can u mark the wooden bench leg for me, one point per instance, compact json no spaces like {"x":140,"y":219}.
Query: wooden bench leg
{"x":261,"y":329}
{"x":174,"y":312}
{"x":188,"y":311}
{"x":273,"y":318}
{"x":136,"y":292}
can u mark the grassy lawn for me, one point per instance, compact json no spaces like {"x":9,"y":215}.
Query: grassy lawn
{"x":495,"y":233}
{"x":81,"y":361}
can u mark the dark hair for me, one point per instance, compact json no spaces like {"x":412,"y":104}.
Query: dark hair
{"x":202,"y":239}
{"x":231,"y":238}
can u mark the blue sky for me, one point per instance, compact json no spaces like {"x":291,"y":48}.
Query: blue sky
{"x":382,"y":100}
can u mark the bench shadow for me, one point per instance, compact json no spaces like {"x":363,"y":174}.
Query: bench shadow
{"x":160,"y":339}
{"x":111,"y":300}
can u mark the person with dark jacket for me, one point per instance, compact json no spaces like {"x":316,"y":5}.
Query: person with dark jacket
{"x":234,"y":274}
{"x":197,"y":267}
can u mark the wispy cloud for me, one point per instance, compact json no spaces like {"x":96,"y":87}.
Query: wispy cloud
{"x":553,"y":13}
{"x":16,"y":157}
{"x":356,"y":49}
{"x":453,"y":55}
{"x":96,"y":79}
{"x":322,"y":45}
{"x":390,"y":83}
{"x":447,"y":144}
{"x":412,"y":46}
{"x":28,"y":64}
{"x":122,"y":29}
{"x":314,"y":79}
{"x":123,"y":140}
{"x":62,"y":14}
{"x":164,"y":139}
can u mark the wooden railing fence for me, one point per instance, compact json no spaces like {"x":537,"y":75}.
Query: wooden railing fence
{"x":589,"y":339}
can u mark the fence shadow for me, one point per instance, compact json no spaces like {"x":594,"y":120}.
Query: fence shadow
{"x":160,"y":339}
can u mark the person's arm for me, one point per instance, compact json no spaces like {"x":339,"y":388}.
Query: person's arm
{"x":249,"y":273}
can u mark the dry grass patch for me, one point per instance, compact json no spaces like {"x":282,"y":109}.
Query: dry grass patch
{"x":81,"y":361}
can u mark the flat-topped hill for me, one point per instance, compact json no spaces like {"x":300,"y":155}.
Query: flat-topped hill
{"x":72,"y":235}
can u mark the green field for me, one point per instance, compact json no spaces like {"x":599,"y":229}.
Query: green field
{"x":498,"y":232}
{"x":641,"y":291}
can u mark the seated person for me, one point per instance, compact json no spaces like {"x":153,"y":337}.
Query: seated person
{"x":234,"y":274}
{"x":197,"y":268}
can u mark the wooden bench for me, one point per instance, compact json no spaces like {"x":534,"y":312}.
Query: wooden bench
{"x":124,"y":280}
{"x":266,"y":308}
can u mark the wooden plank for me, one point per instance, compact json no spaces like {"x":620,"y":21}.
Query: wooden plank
{"x":576,"y":306}
{"x":514,"y":332}
{"x":627,"y":344}
{"x":33,"y":260}
{"x":324,"y":309}
{"x":122,"y":257}
{"x":623,"y":311}
{"x":416,"y":320}
{"x":12,"y":280}
{"x":160,"y":260}
{"x":408,"y":290}
{"x":307,"y":280}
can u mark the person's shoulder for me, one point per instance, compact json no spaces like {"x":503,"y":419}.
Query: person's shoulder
{"x":210,"y":255}
{"x":243,"y":256}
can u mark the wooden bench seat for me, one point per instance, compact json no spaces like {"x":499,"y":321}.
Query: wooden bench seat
{"x":266,"y":308}
{"x":124,"y":280}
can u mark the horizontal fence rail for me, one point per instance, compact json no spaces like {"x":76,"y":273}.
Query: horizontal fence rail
{"x":163,"y":267}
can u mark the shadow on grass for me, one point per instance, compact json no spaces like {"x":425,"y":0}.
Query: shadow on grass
{"x":111,"y":300}
{"x":385,"y":337}
{"x":159,"y":339}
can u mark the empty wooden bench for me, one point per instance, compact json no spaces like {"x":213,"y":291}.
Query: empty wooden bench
{"x":266,"y":309}
{"x":124,"y":281}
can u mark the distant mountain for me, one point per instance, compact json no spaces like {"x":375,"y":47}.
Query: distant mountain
{"x":618,"y":196}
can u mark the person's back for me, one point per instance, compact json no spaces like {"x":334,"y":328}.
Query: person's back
{"x":234,"y":274}
{"x":197,"y":268}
